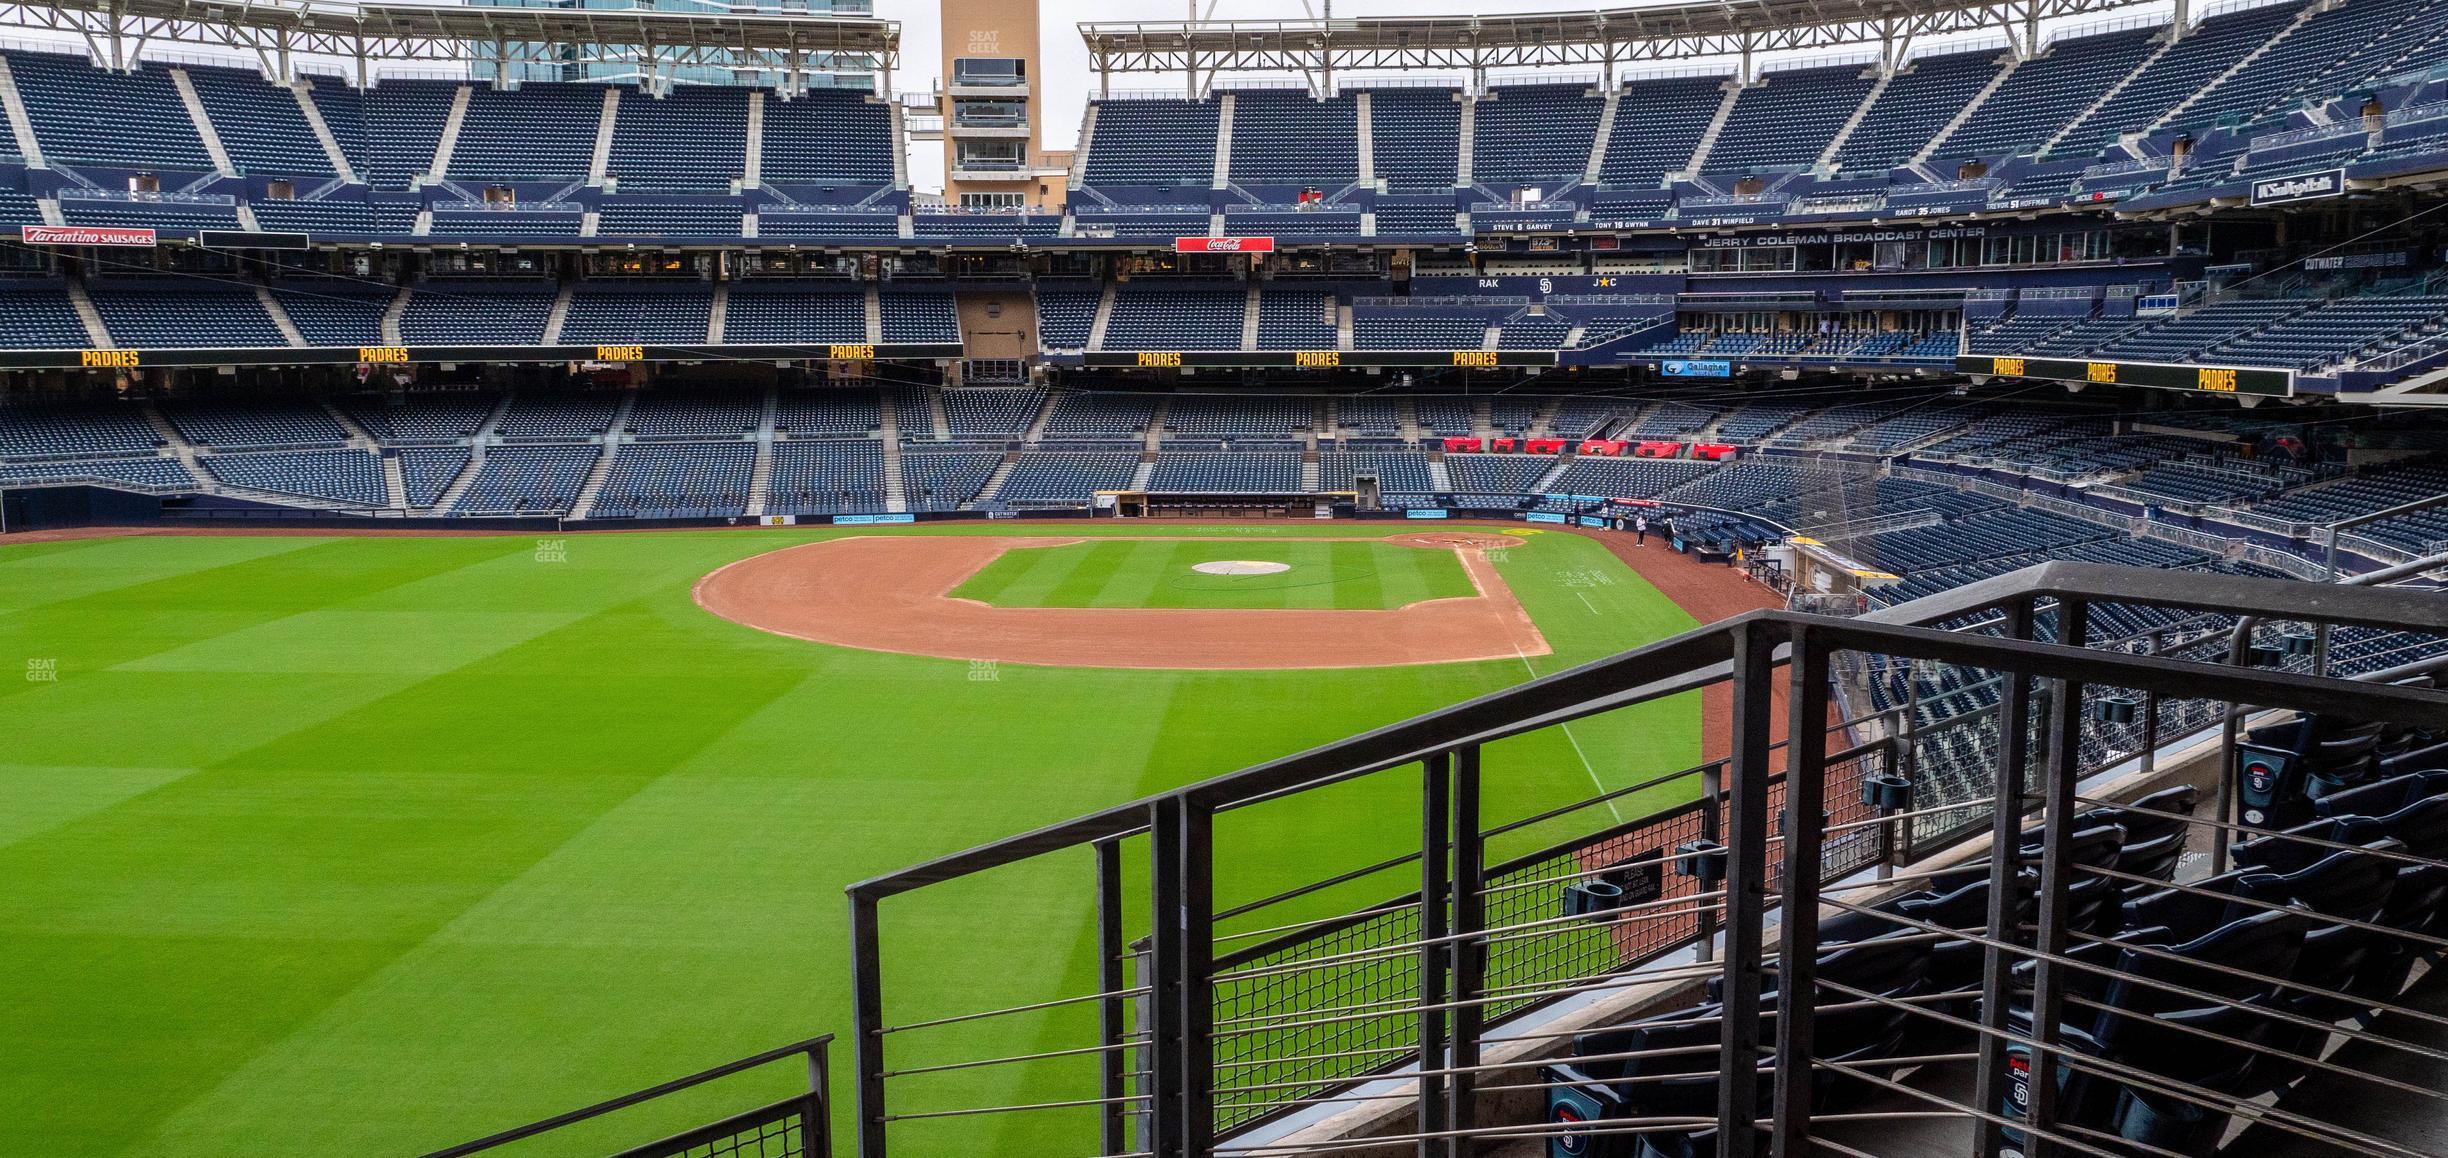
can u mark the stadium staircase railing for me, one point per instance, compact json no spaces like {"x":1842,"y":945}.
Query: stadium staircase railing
{"x":1214,"y":1025}
{"x":799,"y":1126}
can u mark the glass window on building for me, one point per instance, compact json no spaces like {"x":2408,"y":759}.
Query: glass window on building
{"x":1004,"y":155}
{"x":567,"y":62}
{"x":989,"y":71}
{"x":989,"y":113}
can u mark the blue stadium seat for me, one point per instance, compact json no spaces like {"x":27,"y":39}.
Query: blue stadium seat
{"x":692,"y":140}
{"x":83,"y":115}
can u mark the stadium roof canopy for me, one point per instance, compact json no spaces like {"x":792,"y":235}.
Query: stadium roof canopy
{"x":277,"y":30}
{"x":1532,"y":40}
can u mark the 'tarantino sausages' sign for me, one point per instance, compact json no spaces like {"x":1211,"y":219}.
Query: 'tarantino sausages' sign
{"x":84,"y":235}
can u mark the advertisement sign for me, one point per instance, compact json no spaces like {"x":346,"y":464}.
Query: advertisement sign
{"x":85,"y":235}
{"x":1424,"y":513}
{"x":1702,"y":368}
{"x":2391,"y":259}
{"x":1842,"y":237}
{"x":871,"y":520}
{"x":2163,"y":375}
{"x":1223,"y":245}
{"x":2300,"y":187}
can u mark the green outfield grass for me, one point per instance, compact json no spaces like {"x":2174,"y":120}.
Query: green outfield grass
{"x":1329,"y":576}
{"x":341,"y":846}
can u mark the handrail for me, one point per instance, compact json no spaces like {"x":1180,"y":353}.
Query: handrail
{"x":1262,"y":948}
{"x":814,"y":1049}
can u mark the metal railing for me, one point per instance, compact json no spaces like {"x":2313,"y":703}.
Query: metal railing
{"x":1363,"y":960}
{"x":1237,"y":1013}
{"x":799,"y":1126}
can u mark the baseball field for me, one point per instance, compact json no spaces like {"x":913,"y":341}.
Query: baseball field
{"x":367,"y":845}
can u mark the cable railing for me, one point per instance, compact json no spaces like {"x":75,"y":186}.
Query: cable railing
{"x":798,"y":1126}
{"x":1215,"y":1026}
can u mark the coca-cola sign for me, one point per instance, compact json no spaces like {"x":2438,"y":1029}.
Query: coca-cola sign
{"x":1223,"y":245}
{"x":85,"y":235}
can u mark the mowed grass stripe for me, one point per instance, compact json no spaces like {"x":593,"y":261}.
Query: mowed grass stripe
{"x":1367,"y":575}
{"x":355,"y":830}
{"x":42,"y":574}
{"x":1028,"y":582}
{"x":1083,"y":572}
{"x":101,"y":630}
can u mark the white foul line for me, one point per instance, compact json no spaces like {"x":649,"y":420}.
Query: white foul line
{"x":1586,"y":766}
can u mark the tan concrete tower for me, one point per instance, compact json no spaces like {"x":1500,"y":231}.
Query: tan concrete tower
{"x":991,"y":97}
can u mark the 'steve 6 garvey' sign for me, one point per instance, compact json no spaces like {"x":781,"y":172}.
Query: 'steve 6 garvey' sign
{"x":2206,"y":379}
{"x":85,"y":235}
{"x":1223,"y":245}
{"x":2300,"y":187}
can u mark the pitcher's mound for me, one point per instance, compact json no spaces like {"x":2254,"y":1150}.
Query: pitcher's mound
{"x":1240,"y":567}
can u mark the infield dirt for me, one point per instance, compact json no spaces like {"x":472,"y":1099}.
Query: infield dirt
{"x":893,"y":593}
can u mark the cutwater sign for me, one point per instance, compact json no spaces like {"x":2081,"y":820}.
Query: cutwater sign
{"x":2301,"y":187}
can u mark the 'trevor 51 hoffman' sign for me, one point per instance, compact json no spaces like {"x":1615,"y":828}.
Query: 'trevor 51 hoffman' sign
{"x":2301,"y":187}
{"x":1223,"y":245}
{"x":84,"y":235}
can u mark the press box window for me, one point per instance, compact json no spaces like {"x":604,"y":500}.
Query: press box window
{"x":989,"y":71}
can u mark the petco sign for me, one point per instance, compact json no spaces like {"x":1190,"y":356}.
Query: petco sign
{"x":1223,"y":245}
{"x":84,"y":235}
{"x":2302,"y":187}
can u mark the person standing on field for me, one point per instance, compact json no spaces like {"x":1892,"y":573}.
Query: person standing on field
{"x":1640,"y":530}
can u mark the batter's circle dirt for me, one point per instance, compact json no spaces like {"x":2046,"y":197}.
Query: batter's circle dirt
{"x":893,"y":593}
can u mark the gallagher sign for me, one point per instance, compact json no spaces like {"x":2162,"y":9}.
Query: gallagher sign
{"x":84,"y":235}
{"x":1223,"y":245}
{"x":2301,"y":187}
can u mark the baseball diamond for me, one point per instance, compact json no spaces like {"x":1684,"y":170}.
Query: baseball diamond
{"x":664,"y":580}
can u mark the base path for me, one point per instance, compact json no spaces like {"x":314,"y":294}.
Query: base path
{"x":893,"y":593}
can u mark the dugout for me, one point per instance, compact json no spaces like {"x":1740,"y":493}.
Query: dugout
{"x":1227,"y":504}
